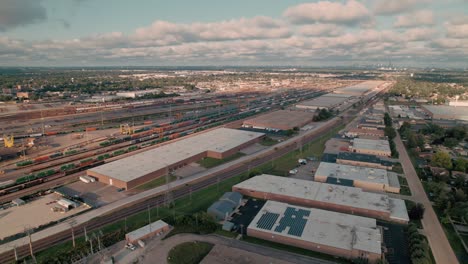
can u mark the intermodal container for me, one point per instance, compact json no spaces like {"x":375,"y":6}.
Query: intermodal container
{"x":148,"y":122}
{"x":51,"y":133}
{"x":91,"y":129}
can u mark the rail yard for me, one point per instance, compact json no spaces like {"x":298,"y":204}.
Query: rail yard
{"x":128,"y":133}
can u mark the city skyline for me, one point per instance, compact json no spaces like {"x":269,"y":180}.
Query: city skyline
{"x":179,"y":33}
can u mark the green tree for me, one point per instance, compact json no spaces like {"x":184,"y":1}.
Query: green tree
{"x":387,"y":120}
{"x":460,"y":165}
{"x":390,"y":132}
{"x":450,"y":142}
{"x":416,"y":212}
{"x":441,"y":159}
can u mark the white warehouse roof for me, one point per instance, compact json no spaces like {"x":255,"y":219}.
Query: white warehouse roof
{"x":371,"y":144}
{"x":145,"y":230}
{"x":138,"y":165}
{"x":350,"y":172}
{"x":318,"y":226}
{"x":327,"y":193}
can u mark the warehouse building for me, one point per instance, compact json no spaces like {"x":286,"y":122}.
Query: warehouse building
{"x":371,"y":146}
{"x":364,"y":160}
{"x":356,"y":132}
{"x":359,"y":89}
{"x":447,"y":112}
{"x":145,"y":166}
{"x":348,"y":200}
{"x":337,"y":234}
{"x":371,"y":125}
{"x":368,"y":179}
{"x":147,"y":231}
{"x":280,"y":120}
{"x":327,"y":101}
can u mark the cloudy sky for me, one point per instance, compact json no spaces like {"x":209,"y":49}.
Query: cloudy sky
{"x":242,"y":32}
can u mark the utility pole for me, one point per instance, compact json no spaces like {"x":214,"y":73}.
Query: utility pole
{"x":72,"y":223}
{"x":31,"y":251}
{"x":125,"y":224}
{"x":149,"y":217}
{"x":16,"y":253}
{"x":85,"y":234}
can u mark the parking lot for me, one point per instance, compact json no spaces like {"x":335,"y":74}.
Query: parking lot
{"x":94,"y":193}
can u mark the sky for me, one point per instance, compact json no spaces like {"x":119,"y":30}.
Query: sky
{"x":421,"y":33}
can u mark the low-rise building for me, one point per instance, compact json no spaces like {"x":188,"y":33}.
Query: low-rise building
{"x":366,"y":132}
{"x":369,"y":179}
{"x":337,"y":234}
{"x":343,"y":199}
{"x":364,"y":160}
{"x":147,"y":231}
{"x":371,"y":146}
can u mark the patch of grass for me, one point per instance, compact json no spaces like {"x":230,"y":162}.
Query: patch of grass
{"x":296,"y":250}
{"x":402,"y":181}
{"x":226,"y":233}
{"x":155,"y":183}
{"x":405,"y":190}
{"x":268,"y":141}
{"x":189,"y":252}
{"x":212,"y":162}
{"x":455,"y":242}
{"x":282,"y":165}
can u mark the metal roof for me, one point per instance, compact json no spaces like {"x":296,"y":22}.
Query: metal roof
{"x":145,"y":230}
{"x":323,"y":227}
{"x":322,"y":101}
{"x":371,"y":144}
{"x":326,"y":193}
{"x":233,"y":197}
{"x":354,"y":173}
{"x":135,"y":166}
{"x":363,"y":158}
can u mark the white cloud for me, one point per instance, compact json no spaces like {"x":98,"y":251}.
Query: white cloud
{"x":350,"y":13}
{"x":415,"y":19}
{"x":420,"y":34}
{"x":457,"y":31}
{"x":393,"y":7}
{"x":320,"y":30}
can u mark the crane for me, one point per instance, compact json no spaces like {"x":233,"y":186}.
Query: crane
{"x":9,"y":141}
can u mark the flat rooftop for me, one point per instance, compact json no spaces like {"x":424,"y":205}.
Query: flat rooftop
{"x":138,"y":165}
{"x":451,"y":112}
{"x":323,"y":101}
{"x":360,"y":88}
{"x":318,"y":226}
{"x":327,"y":193}
{"x":281,"y":119}
{"x":363,"y":158}
{"x":371,"y":144}
{"x":145,"y":230}
{"x":354,"y":173}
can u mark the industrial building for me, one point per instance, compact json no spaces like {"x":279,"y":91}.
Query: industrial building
{"x":318,"y":230}
{"x":371,"y":125}
{"x":368,"y":179}
{"x":147,"y":231}
{"x":364,"y":160}
{"x":447,"y":112}
{"x":280,"y":120}
{"x":225,"y":206}
{"x":136,"y":94}
{"x":327,"y":101}
{"x":371,"y":146}
{"x":145,"y":166}
{"x":343,"y":199}
{"x":359,"y":89}
{"x":355,"y":132}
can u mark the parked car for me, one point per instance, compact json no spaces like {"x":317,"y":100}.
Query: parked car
{"x":293,"y":171}
{"x":302,"y":161}
{"x":130,"y":246}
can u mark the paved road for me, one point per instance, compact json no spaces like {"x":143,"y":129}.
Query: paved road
{"x":160,"y":249}
{"x":440,"y":246}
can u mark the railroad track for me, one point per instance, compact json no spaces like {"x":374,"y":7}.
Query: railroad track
{"x":159,"y":199}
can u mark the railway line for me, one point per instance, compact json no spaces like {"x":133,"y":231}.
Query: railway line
{"x":159,"y":199}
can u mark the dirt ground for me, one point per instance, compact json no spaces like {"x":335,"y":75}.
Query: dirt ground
{"x":33,"y":214}
{"x":229,"y":255}
{"x":336,"y":145}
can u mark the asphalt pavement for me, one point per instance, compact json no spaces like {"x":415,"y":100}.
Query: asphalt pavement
{"x":439,"y":243}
